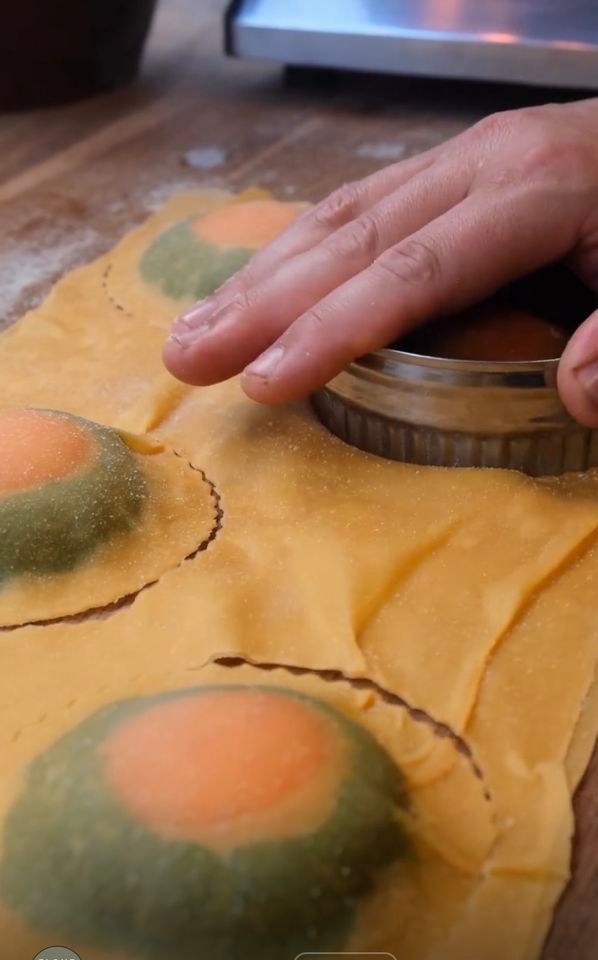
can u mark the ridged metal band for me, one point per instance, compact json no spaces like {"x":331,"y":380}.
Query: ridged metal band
{"x":547,"y":454}
{"x":456,"y":414}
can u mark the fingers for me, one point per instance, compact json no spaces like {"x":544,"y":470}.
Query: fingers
{"x":578,"y":373}
{"x":453,"y":262}
{"x":318,"y":222}
{"x":252,"y":321}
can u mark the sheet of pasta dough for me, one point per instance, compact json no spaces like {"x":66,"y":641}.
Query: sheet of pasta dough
{"x":467,"y":594}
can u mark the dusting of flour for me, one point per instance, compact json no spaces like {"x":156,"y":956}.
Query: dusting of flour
{"x":156,"y":197}
{"x":28,"y":270}
{"x":384,"y":150}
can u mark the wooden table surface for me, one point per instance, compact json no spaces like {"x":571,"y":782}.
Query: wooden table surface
{"x":74,"y":179}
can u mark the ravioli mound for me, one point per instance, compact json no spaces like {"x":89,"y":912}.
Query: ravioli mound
{"x":66,"y":486}
{"x":196,"y":255}
{"x":221,"y":821}
{"x":83,"y":514}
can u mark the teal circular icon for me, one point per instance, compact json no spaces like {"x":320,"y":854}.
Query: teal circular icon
{"x":57,"y":953}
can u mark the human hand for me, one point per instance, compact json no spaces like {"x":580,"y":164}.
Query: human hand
{"x":422,"y":238}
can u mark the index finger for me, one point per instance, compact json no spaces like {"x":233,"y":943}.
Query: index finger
{"x":453,"y":262}
{"x":313,"y":226}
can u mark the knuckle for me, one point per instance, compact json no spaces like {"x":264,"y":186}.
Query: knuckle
{"x":512,"y":127}
{"x":494,"y":127}
{"x":313,"y":320}
{"x":545,"y":153}
{"x":555,"y":161}
{"x":239,"y":282}
{"x":244,"y":299}
{"x":414,"y":262}
{"x":533,"y":148}
{"x":339,"y":208}
{"x":573,"y":161}
{"x":246,"y":276}
{"x":360,"y":239}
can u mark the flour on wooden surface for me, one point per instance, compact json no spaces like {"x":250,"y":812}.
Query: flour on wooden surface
{"x":206,"y":158}
{"x":157,"y":196}
{"x":27,"y":270}
{"x":382,"y":150}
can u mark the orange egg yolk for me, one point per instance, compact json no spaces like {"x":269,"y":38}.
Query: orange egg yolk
{"x":37,"y":447}
{"x":252,"y":224}
{"x":200,"y":760}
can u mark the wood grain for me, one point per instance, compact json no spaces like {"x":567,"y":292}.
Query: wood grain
{"x":74,"y":179}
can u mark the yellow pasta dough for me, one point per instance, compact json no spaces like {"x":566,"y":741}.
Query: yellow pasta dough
{"x":464,"y":595}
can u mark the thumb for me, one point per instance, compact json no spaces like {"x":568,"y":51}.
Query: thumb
{"x":578,"y":373}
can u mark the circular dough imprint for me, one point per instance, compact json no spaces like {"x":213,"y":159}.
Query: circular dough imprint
{"x":189,"y":256}
{"x":89,"y":516}
{"x":254,"y":814}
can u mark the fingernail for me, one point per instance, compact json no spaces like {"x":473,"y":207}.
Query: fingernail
{"x":194,"y":318}
{"x":186,"y":336}
{"x":588,"y":378}
{"x":266,"y":365}
{"x":201,"y":319}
